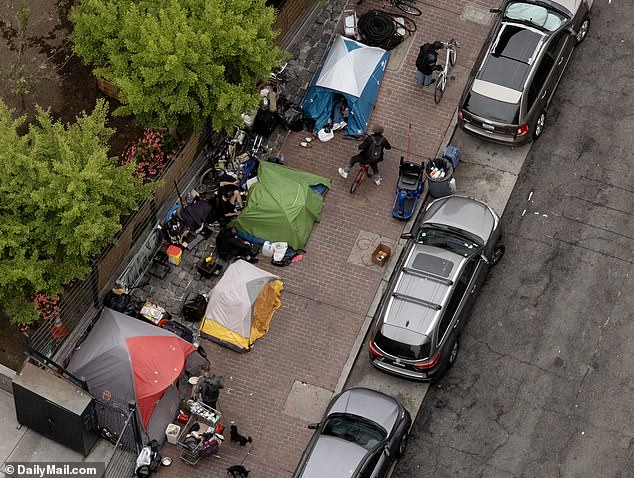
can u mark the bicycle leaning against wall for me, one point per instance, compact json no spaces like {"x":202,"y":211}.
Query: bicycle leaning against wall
{"x":443,"y":76}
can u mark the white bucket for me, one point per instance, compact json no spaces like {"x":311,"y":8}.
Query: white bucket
{"x":172,"y":433}
{"x":279,"y":249}
{"x":267,"y":249}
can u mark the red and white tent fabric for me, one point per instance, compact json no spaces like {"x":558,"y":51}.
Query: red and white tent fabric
{"x":126,"y":359}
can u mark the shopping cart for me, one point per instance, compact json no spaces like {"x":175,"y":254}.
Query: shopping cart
{"x":189,"y":441}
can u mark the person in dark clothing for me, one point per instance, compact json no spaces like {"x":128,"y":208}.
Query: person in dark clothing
{"x":208,"y":387}
{"x":426,"y":63}
{"x":230,"y":246}
{"x":226,"y":205}
{"x":371,"y":153}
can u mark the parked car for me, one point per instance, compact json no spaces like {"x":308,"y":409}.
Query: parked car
{"x":362,"y":435}
{"x":519,"y":67}
{"x":416,"y":334}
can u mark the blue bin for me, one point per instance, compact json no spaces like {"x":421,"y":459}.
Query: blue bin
{"x":452,"y":154}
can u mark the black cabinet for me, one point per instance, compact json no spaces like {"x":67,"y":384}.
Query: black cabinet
{"x":56,"y":408}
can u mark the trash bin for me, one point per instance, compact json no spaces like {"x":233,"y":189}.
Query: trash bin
{"x":438,"y":173}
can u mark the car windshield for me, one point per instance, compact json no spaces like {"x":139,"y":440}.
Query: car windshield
{"x":535,"y":15}
{"x":354,"y":429}
{"x":448,"y":240}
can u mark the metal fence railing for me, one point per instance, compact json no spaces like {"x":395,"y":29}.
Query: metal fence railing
{"x":128,"y":444}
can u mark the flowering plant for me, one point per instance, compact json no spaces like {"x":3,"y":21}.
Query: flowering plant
{"x":47,"y":307}
{"x":151,"y":153}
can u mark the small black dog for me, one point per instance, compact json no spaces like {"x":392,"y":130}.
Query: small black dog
{"x":235,"y":436}
{"x":238,"y":471}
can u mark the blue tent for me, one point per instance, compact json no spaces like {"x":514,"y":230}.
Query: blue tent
{"x":354,"y":70}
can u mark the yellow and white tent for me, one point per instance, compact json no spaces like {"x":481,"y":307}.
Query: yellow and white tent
{"x":241,"y":306}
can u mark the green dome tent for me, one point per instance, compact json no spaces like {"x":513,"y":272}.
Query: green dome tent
{"x":282,"y":206}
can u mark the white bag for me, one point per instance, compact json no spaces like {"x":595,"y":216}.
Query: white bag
{"x":279,"y":249}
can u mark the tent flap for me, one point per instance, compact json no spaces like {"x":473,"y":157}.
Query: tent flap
{"x":354,"y":70}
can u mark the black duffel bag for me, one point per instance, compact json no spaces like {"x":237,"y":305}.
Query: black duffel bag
{"x":180,"y":330}
{"x":194,"y":307}
{"x":290,"y":115}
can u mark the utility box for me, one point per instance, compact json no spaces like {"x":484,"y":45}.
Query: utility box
{"x":55,"y":408}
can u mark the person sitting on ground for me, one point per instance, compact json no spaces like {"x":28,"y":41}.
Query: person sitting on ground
{"x":426,"y":63}
{"x":230,"y":246}
{"x":227,"y":204}
{"x":371,"y":154}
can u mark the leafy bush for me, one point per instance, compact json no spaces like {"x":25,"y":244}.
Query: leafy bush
{"x":61,"y":197}
{"x":150,"y":154}
{"x":176,"y":62}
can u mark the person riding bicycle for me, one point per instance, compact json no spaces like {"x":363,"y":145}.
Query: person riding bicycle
{"x":426,"y":63}
{"x":371,"y":154}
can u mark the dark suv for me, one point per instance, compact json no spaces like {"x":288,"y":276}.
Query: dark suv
{"x":516,"y":74}
{"x":420,"y":317}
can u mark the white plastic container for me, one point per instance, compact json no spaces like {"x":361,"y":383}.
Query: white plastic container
{"x":267,"y":249}
{"x":172,"y":433}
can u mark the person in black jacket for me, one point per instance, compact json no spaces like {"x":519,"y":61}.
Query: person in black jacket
{"x":229,"y":245}
{"x":371,"y":154}
{"x":426,"y":63}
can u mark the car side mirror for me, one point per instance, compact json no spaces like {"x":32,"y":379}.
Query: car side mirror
{"x":313,"y":426}
{"x":485,"y":259}
{"x":407,"y":235}
{"x":386,"y":450}
{"x":571,"y":31}
{"x":495,"y":10}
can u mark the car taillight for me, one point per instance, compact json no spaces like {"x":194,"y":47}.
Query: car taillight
{"x":428,"y":363}
{"x":460,"y":113}
{"x":373,"y":349}
{"x":522,"y":130}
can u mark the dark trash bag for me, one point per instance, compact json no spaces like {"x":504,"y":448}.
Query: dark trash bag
{"x":290,"y":115}
{"x":180,"y":330}
{"x":265,"y":122}
{"x":194,"y":307}
{"x":124,"y":303}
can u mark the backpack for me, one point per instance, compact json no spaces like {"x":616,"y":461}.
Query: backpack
{"x":375,"y":150}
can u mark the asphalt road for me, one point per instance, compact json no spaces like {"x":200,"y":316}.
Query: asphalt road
{"x":544,"y":382}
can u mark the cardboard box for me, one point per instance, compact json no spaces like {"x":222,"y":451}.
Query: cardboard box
{"x":381,"y":254}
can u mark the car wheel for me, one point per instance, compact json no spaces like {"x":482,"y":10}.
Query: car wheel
{"x":539,"y":125}
{"x":583,"y":30}
{"x":453,"y":355}
{"x":498,"y":252}
{"x":402,"y":445}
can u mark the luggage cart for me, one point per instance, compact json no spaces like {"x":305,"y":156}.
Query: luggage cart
{"x":207,"y":418}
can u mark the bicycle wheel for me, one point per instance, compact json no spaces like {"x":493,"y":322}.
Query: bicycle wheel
{"x":408,"y":7}
{"x":440,"y":88}
{"x":357,"y":180}
{"x":452,"y":54}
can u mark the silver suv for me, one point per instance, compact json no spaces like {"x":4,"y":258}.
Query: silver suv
{"x":516,"y":74}
{"x":421,"y":315}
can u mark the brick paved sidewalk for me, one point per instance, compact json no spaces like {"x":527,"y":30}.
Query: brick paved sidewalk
{"x":326,"y":296}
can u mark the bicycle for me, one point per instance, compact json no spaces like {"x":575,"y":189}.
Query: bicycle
{"x":358,"y":177}
{"x":406,"y":6}
{"x":443,"y":76}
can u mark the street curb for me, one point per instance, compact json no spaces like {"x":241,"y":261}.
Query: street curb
{"x":387,"y":277}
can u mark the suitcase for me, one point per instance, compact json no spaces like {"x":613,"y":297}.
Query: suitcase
{"x":180,"y":330}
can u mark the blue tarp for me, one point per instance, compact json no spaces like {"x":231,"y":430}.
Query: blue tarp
{"x":353,"y":70}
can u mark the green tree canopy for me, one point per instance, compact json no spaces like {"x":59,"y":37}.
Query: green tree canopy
{"x":61,"y":198}
{"x":176,"y":61}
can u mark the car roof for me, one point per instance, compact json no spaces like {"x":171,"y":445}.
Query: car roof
{"x":333,"y":457}
{"x":463,"y":213}
{"x":369,"y":404}
{"x":420,"y":292}
{"x":512,"y":53}
{"x":571,"y":5}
